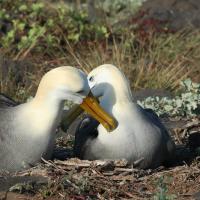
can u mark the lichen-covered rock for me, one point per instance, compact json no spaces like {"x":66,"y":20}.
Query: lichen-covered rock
{"x":170,"y":14}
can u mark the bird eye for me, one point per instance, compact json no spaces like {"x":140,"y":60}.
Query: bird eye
{"x":80,"y":92}
{"x":91,"y":79}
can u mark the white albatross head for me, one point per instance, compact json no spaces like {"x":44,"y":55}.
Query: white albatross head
{"x":108,"y":82}
{"x":64,"y":83}
{"x":69,"y":83}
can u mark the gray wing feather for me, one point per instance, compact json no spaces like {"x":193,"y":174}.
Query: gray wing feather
{"x":86,"y":130}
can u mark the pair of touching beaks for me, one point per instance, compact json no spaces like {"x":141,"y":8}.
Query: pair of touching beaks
{"x":90,"y":105}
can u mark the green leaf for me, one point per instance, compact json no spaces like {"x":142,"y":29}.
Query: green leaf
{"x":23,"y":7}
{"x":168,"y":108}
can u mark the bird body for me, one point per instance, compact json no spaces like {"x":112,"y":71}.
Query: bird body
{"x":26,"y":138}
{"x":139,"y":136}
{"x":27,"y":131}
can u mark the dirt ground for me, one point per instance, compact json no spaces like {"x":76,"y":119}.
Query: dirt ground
{"x":71,"y":178}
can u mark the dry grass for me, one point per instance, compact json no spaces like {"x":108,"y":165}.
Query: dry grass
{"x":159,"y":61}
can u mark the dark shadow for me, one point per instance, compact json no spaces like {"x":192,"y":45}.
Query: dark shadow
{"x":6,"y":101}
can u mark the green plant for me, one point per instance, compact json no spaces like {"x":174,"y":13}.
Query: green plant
{"x":51,"y":189}
{"x":185,"y":104}
{"x":162,"y":190}
{"x":36,"y":25}
{"x":118,"y":10}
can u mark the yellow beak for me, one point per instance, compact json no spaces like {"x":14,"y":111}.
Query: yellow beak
{"x":92,"y":107}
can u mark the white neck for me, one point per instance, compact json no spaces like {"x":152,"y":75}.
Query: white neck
{"x":117,"y":95}
{"x":42,"y":114}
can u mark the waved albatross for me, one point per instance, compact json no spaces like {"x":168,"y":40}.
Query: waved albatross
{"x":27,"y":131}
{"x":140,"y":137}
